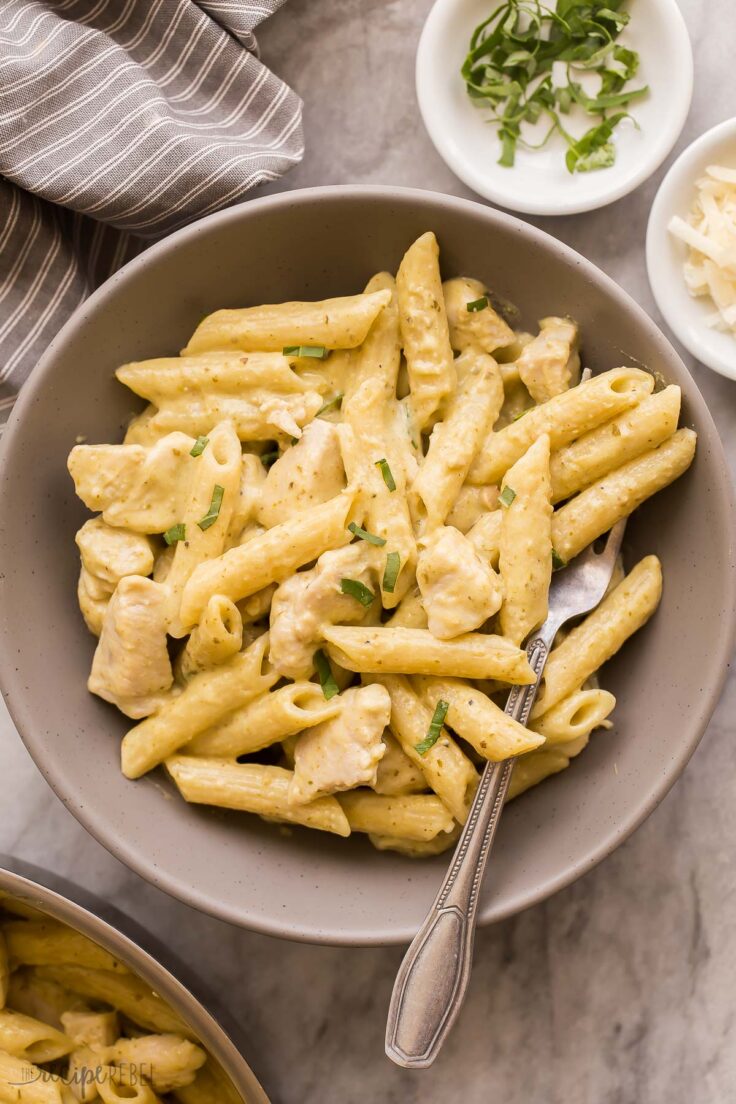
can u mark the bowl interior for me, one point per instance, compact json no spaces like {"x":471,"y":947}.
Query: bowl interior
{"x":666,"y":254}
{"x":309,"y":885}
{"x":539,"y":183}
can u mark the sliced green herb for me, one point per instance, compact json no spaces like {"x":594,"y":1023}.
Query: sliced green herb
{"x":477,"y":305}
{"x":334,"y":402}
{"x":199,"y":446}
{"x":355,"y":589}
{"x":326,"y":677}
{"x":557,"y":560}
{"x":269,"y":458}
{"x":507,"y":496}
{"x":391,"y":572}
{"x":525,"y":62}
{"x":319,"y":352}
{"x":365,"y":535}
{"x":175,"y":533}
{"x":387,"y":474}
{"x":435,"y":728}
{"x":214,"y":511}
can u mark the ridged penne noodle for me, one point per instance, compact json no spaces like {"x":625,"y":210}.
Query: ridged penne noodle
{"x":470,"y":413}
{"x":39,"y":997}
{"x":26,"y":1038}
{"x":530,"y":770}
{"x":167,"y":378}
{"x":340,"y":323}
{"x":217,"y":637}
{"x":388,"y":650}
{"x":48,"y":942}
{"x":22,"y":1082}
{"x":478,"y":720}
{"x":414,"y":817}
{"x":424,"y":331}
{"x":612,"y":444}
{"x":169,"y":1061}
{"x":367,"y":442}
{"x":266,"y":720}
{"x":217,"y":476}
{"x":379,"y":356}
{"x":114,"y":1092}
{"x":417,"y":849}
{"x":257,"y":415}
{"x":206,"y":698}
{"x":253,"y":788}
{"x":126,"y":992}
{"x":597,"y":509}
{"x":397,"y":774}
{"x":575,"y":716}
{"x":592,"y":643}
{"x":268,"y":557}
{"x":564,"y":418}
{"x":445,"y":766}
{"x":525,"y":548}
{"x":485,"y":329}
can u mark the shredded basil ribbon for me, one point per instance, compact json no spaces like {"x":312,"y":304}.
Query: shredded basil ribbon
{"x":326,"y":678}
{"x":336,"y":401}
{"x":391,"y":572}
{"x":435,"y":728}
{"x":199,"y":446}
{"x":175,"y":533}
{"x":365,"y":535}
{"x":214,"y":511}
{"x":355,"y":589}
{"x":387,"y":474}
{"x":477,"y":305}
{"x":507,"y":496}
{"x":319,"y":352}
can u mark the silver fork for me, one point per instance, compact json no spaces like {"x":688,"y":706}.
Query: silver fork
{"x":431,"y":982}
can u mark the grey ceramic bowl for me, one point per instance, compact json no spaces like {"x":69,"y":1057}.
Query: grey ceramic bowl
{"x":125,"y":939}
{"x":310,"y":886}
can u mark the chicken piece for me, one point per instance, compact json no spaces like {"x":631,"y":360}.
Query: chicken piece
{"x":311,"y":599}
{"x":309,"y":473}
{"x":139,"y":487}
{"x":131,"y":666}
{"x":110,"y":554}
{"x":345,"y":751}
{"x":459,"y":591}
{"x":482,"y":329}
{"x":397,"y":774}
{"x":94,"y":597}
{"x":550,"y":364}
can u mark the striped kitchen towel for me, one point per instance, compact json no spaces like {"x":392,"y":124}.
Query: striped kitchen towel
{"x":121,"y":120}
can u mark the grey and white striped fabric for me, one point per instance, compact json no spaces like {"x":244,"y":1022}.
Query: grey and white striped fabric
{"x":120,"y":121}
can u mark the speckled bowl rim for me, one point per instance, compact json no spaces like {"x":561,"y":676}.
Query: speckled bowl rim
{"x":106,"y":925}
{"x":724,"y":636}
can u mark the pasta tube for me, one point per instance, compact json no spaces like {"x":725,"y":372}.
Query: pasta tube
{"x":269,"y":557}
{"x":397,"y":774}
{"x":564,"y":418}
{"x":612,"y":444}
{"x":22,"y":1082}
{"x":446,"y":768}
{"x":597,"y":509}
{"x":530,"y":770}
{"x":482,"y":329}
{"x":205,"y":700}
{"x":217,"y":637}
{"x":525,"y":548}
{"x":47,"y":942}
{"x":126,"y":992}
{"x":379,"y":356}
{"x":575,"y":716}
{"x":592,"y":643}
{"x":253,"y":788}
{"x":455,"y":440}
{"x":395,"y":651}
{"x":168,"y":378}
{"x":417,"y":849}
{"x":266,"y":720}
{"x":424,"y":331}
{"x":26,"y":1038}
{"x":339,"y":323}
{"x":414,"y":817}
{"x":478,"y":720}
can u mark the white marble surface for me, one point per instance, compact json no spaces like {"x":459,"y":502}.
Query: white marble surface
{"x":619,"y":990}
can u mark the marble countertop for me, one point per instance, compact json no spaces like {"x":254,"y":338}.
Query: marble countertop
{"x":618,"y":990}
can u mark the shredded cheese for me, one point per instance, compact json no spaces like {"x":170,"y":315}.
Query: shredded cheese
{"x":710,"y":234}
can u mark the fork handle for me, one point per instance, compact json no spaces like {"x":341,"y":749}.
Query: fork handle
{"x":431,"y":982}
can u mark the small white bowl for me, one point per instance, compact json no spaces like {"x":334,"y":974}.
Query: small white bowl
{"x":539,"y":183}
{"x":665,"y":254}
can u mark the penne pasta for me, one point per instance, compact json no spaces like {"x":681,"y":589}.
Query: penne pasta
{"x":575,"y":717}
{"x":217,"y":637}
{"x":483,"y":329}
{"x":129,"y":994}
{"x":46,"y":942}
{"x":478,"y":720}
{"x":532,"y":769}
{"x":414,"y":817}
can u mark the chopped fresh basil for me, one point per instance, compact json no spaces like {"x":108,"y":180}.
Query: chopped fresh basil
{"x":199,"y":446}
{"x":477,"y":305}
{"x":214,"y":511}
{"x":391,"y":572}
{"x":387,"y":474}
{"x":435,"y":728}
{"x":507,"y":496}
{"x":175,"y":533}
{"x":355,"y":589}
{"x":319,"y":352}
{"x":365,"y":535}
{"x":326,"y":677}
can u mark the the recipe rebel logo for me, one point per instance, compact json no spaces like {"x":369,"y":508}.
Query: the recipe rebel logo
{"x":130,"y":1074}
